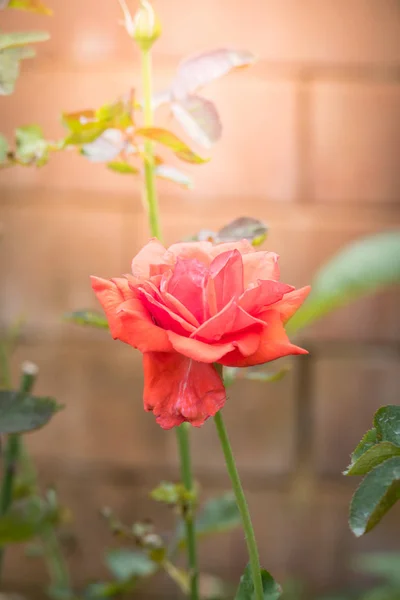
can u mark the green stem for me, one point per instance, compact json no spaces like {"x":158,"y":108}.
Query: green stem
{"x":187,"y":479}
{"x":242,"y":506}
{"x":149,"y":175}
{"x":150,"y":194}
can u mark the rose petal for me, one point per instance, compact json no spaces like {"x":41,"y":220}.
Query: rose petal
{"x":226,"y":270}
{"x":254,"y":299}
{"x":138,"y":329}
{"x":178,"y":389}
{"x":291,"y":302}
{"x":201,"y":251}
{"x":187,"y":284}
{"x":274,"y":344}
{"x":200,"y":351}
{"x":242,"y":246}
{"x":111,"y":293}
{"x":260,"y":265}
{"x":229,"y":320}
{"x":177,"y":307}
{"x":153,"y":253}
{"x":164,"y":316}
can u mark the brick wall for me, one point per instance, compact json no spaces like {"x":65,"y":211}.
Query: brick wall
{"x":311,"y":144}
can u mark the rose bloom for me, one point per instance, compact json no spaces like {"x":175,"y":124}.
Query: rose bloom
{"x":193,"y":305}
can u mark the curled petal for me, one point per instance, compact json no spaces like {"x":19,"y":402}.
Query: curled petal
{"x":178,"y":389}
{"x":226,"y":271}
{"x":291,"y":302}
{"x":243,"y":246}
{"x":179,"y":309}
{"x":153,"y":253}
{"x":260,"y":265}
{"x":187,"y":284}
{"x":111,"y":293}
{"x":165,"y":317}
{"x":273,"y":344}
{"x":200,"y":351}
{"x":199,"y":250}
{"x":264,"y":294}
{"x":138,"y":329}
{"x":230,"y":320}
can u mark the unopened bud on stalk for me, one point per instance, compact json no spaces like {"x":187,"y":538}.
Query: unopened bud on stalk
{"x":146,"y":27}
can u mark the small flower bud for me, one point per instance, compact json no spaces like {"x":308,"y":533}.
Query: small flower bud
{"x":146,"y":27}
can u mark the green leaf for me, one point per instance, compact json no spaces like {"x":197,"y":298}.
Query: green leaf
{"x":361,"y":268}
{"x":123,"y":167}
{"x":272,"y":591}
{"x":23,"y":521}
{"x":125,"y":564}
{"x":368,"y":441}
{"x":378,"y":492}
{"x":3,"y":148}
{"x":87,"y":317}
{"x":232,"y":374}
{"x":243,"y":228}
{"x":9,"y":67}
{"x":171,"y":141}
{"x":85,"y":133}
{"x":387,"y":424}
{"x":20,"y":413}
{"x":110,"y":589}
{"x":35,"y":6}
{"x":173,"y":493}
{"x":380,"y":564}
{"x":31,"y":145}
{"x":22,"y":38}
{"x":172,"y":174}
{"x":372,"y":458}
{"x":218,"y":515}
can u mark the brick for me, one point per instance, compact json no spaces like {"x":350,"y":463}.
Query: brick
{"x":47,"y":257}
{"x":320,"y":31}
{"x":355,"y":138}
{"x":100,"y":383}
{"x":346,"y":394}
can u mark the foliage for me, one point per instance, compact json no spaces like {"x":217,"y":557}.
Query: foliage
{"x":378,"y":458}
{"x":272,"y":591}
{"x":20,"y":413}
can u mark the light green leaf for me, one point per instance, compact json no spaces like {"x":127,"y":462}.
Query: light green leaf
{"x":172,"y":174}
{"x":3,"y":148}
{"x":23,"y":521}
{"x":243,"y":228}
{"x":380,"y":564}
{"x":87,"y":317}
{"x":20,"y":413}
{"x":85,"y":133}
{"x":31,"y":145}
{"x":35,"y":6}
{"x":377,"y":493}
{"x":123,"y":167}
{"x":387,"y":424}
{"x":22,"y":38}
{"x":272,"y":591}
{"x":232,"y":374}
{"x":125,"y":564}
{"x":218,"y":515}
{"x":372,"y":458}
{"x":361,"y":268}
{"x":171,"y":141}
{"x":9,"y":67}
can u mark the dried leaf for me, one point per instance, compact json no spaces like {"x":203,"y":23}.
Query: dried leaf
{"x":199,"y":118}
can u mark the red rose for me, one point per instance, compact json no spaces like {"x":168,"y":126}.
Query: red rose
{"x":193,"y":305}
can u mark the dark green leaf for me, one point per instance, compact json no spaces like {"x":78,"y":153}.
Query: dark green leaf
{"x":35,"y":6}
{"x":171,"y":141}
{"x":31,"y":145}
{"x":361,"y":268}
{"x":20,"y":413}
{"x":387,"y":424}
{"x":3,"y":148}
{"x":372,"y":458}
{"x":124,"y":564}
{"x":172,"y":174}
{"x":123,"y":167}
{"x":243,"y":228}
{"x":218,"y":515}
{"x":87,"y":317}
{"x":366,"y":443}
{"x":199,"y":118}
{"x":380,"y":564}
{"x":378,"y":491}
{"x":272,"y":591}
{"x":20,"y":38}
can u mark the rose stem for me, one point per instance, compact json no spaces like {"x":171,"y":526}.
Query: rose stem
{"x":150,"y":193}
{"x":242,"y":506}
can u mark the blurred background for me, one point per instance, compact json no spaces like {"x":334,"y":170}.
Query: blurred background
{"x":310,"y":145}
